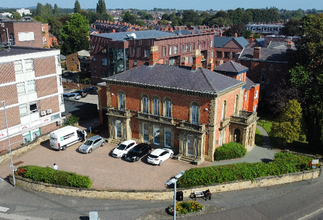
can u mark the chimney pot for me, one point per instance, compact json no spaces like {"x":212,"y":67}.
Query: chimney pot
{"x":197,"y":59}
{"x":256,"y":52}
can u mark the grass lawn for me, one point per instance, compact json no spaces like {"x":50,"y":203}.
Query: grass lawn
{"x":259,"y":141}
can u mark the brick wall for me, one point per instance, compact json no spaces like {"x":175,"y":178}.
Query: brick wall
{"x":49,"y":103}
{"x":48,"y":128}
{"x":15,"y":142}
{"x":72,"y":62}
{"x":46,"y":86}
{"x":44,"y":66}
{"x":7,"y":71}
{"x":9,"y":95}
{"x":13,"y":117}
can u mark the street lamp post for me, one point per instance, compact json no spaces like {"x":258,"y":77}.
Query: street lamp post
{"x":11,"y":164}
{"x":174,"y":181}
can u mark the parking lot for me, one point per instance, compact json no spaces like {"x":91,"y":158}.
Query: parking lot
{"x":105,"y":171}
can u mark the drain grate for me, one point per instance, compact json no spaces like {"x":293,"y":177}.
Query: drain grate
{"x":17,"y":163}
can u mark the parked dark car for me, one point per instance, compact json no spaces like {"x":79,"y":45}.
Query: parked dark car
{"x":138,"y":152}
{"x":92,"y":90}
{"x":82,"y":93}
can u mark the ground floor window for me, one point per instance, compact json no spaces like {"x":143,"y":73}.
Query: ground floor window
{"x":167,"y":137}
{"x":145,"y":131}
{"x":156,"y":135}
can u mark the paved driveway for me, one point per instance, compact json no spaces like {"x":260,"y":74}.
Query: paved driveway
{"x":105,"y":171}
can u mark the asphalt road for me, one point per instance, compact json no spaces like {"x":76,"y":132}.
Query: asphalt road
{"x":290,"y":201}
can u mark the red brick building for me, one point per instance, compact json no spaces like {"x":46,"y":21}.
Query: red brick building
{"x":22,"y":33}
{"x":31,"y":86}
{"x":189,"y":109}
{"x":114,"y":53}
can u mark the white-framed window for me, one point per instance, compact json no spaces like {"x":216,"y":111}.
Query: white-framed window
{"x":246,"y":96}
{"x":23,"y":110}
{"x":236,"y":104}
{"x":191,"y":59}
{"x":186,"y":47}
{"x":164,"y":51}
{"x":61,"y":99}
{"x":195,"y":114}
{"x":211,"y":54}
{"x":145,"y":132}
{"x":170,"y":50}
{"x":168,"y":108}
{"x":256,"y":94}
{"x":255,"y":108}
{"x":156,"y":106}
{"x":44,"y":41}
{"x":31,"y":86}
{"x":18,"y":67}
{"x":145,"y":104}
{"x":104,"y":61}
{"x":211,"y":43}
{"x":58,"y":59}
{"x":156,"y":130}
{"x":175,"y":49}
{"x":221,"y":138}
{"x":167,"y":137}
{"x":33,"y":107}
{"x":190,"y":47}
{"x":29,"y":65}
{"x":122,"y":101}
{"x":21,"y":88}
{"x":224,"y":106}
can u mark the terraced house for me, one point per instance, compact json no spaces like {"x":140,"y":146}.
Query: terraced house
{"x":192,"y":110}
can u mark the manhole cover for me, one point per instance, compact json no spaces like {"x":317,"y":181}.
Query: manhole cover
{"x":17,"y":163}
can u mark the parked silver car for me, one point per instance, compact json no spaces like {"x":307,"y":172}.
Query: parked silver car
{"x":91,"y":144}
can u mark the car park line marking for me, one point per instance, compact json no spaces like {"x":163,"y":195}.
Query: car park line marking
{"x":3,"y":209}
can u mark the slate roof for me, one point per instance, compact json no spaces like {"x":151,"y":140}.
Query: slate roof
{"x":231,"y":67}
{"x":277,"y":55}
{"x":178,"y":78}
{"x":279,"y":45}
{"x":249,"y":84}
{"x":261,"y":41}
{"x":151,"y":34}
{"x":222,"y":41}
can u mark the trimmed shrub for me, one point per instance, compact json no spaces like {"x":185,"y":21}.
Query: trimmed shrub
{"x":230,"y":151}
{"x":57,"y":177}
{"x":282,"y":164}
{"x":186,"y":207}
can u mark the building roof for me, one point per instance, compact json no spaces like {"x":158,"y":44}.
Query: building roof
{"x":177,"y":78}
{"x":151,"y":34}
{"x":261,"y":41}
{"x":250,"y":84}
{"x":83,"y":53}
{"x":279,"y":45}
{"x":222,"y":41}
{"x":14,"y":50}
{"x":266,"y":54}
{"x":231,"y":67}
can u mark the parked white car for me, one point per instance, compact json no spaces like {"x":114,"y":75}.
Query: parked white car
{"x":123,"y":148}
{"x":159,"y":155}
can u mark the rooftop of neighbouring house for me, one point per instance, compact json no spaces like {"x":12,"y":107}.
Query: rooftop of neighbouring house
{"x":276,"y":55}
{"x":124,"y":36}
{"x":14,"y":50}
{"x":230,"y":67}
{"x":178,"y":78}
{"x":222,"y":41}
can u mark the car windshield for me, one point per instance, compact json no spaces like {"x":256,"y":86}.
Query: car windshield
{"x":88,"y":142}
{"x":153,"y":156}
{"x":121,"y":147}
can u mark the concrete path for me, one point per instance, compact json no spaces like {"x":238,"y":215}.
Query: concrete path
{"x":263,"y":153}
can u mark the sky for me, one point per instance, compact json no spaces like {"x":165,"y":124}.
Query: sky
{"x":177,"y":4}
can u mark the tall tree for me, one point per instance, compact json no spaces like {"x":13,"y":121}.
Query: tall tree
{"x":56,"y":10}
{"x":101,"y":8}
{"x":307,"y":75}
{"x":289,"y":124}
{"x":75,"y":34}
{"x":77,"y":7}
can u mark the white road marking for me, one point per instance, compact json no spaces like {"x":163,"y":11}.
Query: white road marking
{"x":3,"y":209}
{"x":309,"y":215}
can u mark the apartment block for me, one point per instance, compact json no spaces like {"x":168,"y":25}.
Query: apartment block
{"x":31,"y":88}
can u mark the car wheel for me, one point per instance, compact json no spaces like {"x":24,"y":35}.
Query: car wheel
{"x":102,"y":144}
{"x":64,"y":147}
{"x":90,"y":151}
{"x":171,"y":155}
{"x":137,"y":158}
{"x":160,"y":163}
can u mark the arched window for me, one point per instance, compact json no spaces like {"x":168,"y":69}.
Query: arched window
{"x":167,"y":108}
{"x":156,"y":106}
{"x":195,"y":113}
{"x":145,"y":104}
{"x":121,"y":100}
{"x":224,"y":109}
{"x":236,"y":104}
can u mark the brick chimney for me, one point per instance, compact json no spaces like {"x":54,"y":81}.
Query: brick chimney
{"x":211,"y":64}
{"x":154,"y":55}
{"x":113,"y":30}
{"x":197,"y":59}
{"x":250,"y":38}
{"x":289,"y":44}
{"x":235,"y":35}
{"x":219,"y":62}
{"x":236,"y":56}
{"x":256,"y":52}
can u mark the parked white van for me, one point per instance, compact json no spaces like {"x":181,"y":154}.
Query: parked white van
{"x":65,"y":137}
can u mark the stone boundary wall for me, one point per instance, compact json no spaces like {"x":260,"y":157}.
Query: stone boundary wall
{"x":20,"y":150}
{"x":163,"y":194}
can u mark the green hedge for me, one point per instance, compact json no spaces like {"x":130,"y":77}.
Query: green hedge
{"x":229,"y":151}
{"x":282,"y":164}
{"x":57,"y":177}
